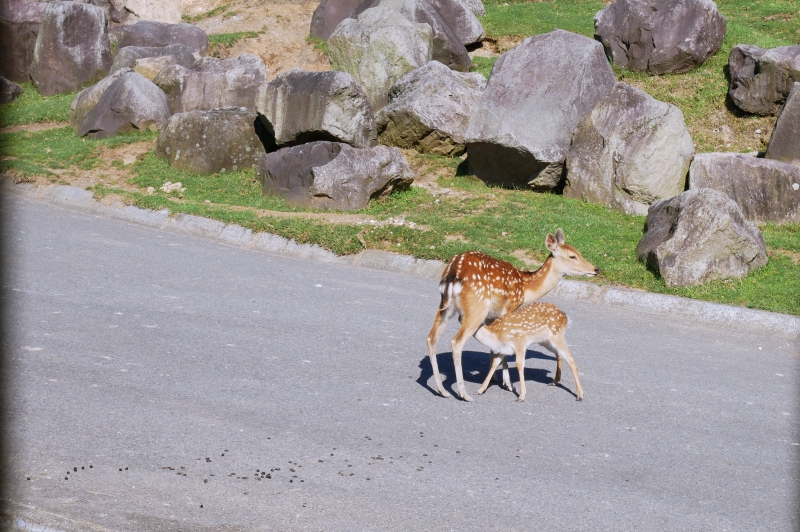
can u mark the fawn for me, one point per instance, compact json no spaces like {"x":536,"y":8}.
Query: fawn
{"x":479,"y":289}
{"x":512,"y":333}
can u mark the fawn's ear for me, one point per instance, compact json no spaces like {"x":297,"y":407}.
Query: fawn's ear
{"x":551,"y":242}
{"x":560,"y":236}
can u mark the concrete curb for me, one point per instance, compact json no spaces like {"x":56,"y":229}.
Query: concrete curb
{"x":664,"y":305}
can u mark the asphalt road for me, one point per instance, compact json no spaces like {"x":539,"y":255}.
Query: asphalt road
{"x":157,"y":379}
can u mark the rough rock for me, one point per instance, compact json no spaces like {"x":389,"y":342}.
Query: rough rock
{"x":72,"y":48}
{"x":521,"y":128}
{"x":660,"y":36}
{"x":378,"y":48}
{"x":86,"y":99}
{"x":19,"y":25}
{"x":147,"y":33}
{"x":328,"y":15}
{"x":429,"y":110}
{"x":130,"y":102}
{"x":765,"y":190}
{"x":128,"y":56}
{"x":446,"y":46}
{"x":288,"y":172}
{"x":9,"y":91}
{"x":700,"y":236}
{"x":462,"y":19}
{"x":213,"y":83}
{"x":301,"y":106}
{"x":629,"y":152}
{"x":115,"y":10}
{"x":208,"y":142}
{"x":476,"y":6}
{"x":784,"y":145}
{"x":322,"y":176}
{"x":761,"y":79}
{"x":150,"y":67}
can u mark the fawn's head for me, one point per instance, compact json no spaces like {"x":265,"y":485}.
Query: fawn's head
{"x":566,"y":259}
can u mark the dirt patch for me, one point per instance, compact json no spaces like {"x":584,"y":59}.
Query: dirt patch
{"x":33,"y":128}
{"x":528,"y":257}
{"x":282,"y":25}
{"x":496,"y":47}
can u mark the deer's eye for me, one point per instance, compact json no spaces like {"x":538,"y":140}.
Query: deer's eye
{"x":573,"y":257}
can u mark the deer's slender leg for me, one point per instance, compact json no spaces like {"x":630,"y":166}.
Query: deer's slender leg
{"x":506,"y":376}
{"x":557,"y":378}
{"x":563,"y":352}
{"x":494,"y":364}
{"x":469,"y":324}
{"x":439,"y":324}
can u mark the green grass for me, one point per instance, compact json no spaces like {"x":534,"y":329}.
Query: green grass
{"x":36,"y":153}
{"x":319,"y":44}
{"x":32,"y":108}
{"x":227,"y":40}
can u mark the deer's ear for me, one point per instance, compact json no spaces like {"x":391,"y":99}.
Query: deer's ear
{"x":560,"y":236}
{"x":550,"y":242}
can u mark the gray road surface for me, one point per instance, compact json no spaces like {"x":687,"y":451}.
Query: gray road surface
{"x":175,"y":373}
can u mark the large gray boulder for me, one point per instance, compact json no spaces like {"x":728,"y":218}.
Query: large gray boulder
{"x":72,"y":48}
{"x":660,"y":36}
{"x":301,"y":106}
{"x":9,"y":91}
{"x":476,"y":6}
{"x":327,"y":175}
{"x":208,"y":142}
{"x":429,"y":110}
{"x":130,"y":102}
{"x":765,"y":190}
{"x":151,"y":33}
{"x":378,"y":48}
{"x":700,"y":236}
{"x":213,"y":83}
{"x":460,"y":16}
{"x":446,"y":46}
{"x":288,"y":172}
{"x":521,"y":128}
{"x":88,"y":98}
{"x":784,"y":145}
{"x":761,"y":79}
{"x":127,"y":57}
{"x":19,"y":25}
{"x":328,"y":15}
{"x":629,"y":152}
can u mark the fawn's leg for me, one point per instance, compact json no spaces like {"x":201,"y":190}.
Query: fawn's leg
{"x":520,"y":356}
{"x":563,"y":352}
{"x":494,"y":364}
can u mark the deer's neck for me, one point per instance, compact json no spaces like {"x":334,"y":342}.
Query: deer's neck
{"x":538,"y":283}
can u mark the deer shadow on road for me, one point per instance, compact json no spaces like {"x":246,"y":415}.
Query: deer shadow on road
{"x":475,"y":364}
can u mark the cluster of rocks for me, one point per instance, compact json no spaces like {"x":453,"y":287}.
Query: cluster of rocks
{"x":64,"y":45}
{"x":552,"y":116}
{"x":380,"y":41}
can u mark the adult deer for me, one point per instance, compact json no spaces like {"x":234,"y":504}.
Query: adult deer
{"x":512,"y":333}
{"x":479,"y":289}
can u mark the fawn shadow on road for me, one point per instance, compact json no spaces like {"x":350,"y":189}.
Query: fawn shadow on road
{"x":475,"y":364}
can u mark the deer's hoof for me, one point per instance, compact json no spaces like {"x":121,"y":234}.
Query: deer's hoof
{"x":520,"y":400}
{"x":445,"y":394}
{"x":579,"y":399}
